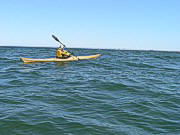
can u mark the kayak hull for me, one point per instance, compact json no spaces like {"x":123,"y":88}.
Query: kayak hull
{"x":72,"y":58}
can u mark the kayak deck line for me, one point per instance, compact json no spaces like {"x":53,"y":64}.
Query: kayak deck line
{"x":72,"y":58}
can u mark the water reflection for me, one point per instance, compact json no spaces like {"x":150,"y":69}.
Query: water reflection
{"x":62,"y":64}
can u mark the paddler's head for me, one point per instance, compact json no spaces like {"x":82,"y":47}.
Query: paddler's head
{"x":61,"y":49}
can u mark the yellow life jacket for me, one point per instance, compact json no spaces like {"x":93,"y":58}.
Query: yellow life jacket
{"x":60,"y":53}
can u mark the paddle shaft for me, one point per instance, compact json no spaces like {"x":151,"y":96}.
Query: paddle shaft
{"x":64,"y":46}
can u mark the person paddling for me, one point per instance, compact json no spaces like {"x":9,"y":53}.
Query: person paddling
{"x":60,"y":52}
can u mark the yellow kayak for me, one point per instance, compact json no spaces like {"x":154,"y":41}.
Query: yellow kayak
{"x":72,"y":58}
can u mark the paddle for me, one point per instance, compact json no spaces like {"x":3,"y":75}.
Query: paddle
{"x":58,"y":40}
{"x":55,"y":38}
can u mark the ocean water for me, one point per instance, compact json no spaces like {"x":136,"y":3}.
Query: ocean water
{"x":120,"y":93}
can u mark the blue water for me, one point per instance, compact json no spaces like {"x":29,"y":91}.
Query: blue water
{"x":122,"y":92}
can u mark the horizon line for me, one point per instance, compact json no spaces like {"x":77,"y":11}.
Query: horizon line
{"x":123,"y":49}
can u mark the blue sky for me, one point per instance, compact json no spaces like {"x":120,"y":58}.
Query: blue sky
{"x":122,"y":24}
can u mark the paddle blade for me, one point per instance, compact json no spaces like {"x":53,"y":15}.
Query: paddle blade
{"x":55,"y":38}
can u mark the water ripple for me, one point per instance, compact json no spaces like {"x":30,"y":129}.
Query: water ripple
{"x":122,"y":92}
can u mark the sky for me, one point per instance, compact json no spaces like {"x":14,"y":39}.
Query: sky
{"x":117,"y":24}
